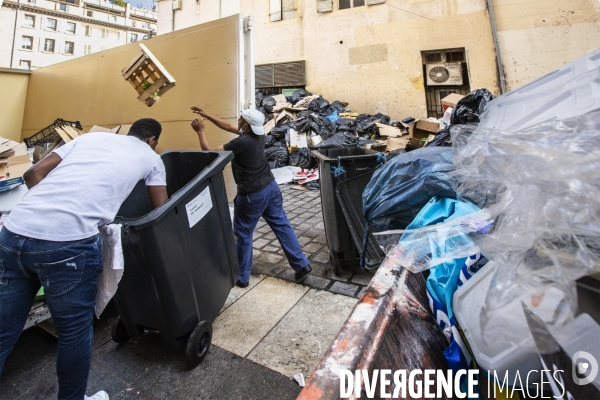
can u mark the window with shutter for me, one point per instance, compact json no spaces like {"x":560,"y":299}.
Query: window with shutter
{"x":274,"y":10}
{"x":288,"y":9}
{"x":280,"y":75}
{"x":324,"y":6}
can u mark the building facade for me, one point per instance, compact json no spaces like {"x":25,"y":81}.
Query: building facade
{"x":38,"y":33}
{"x":400,"y":57}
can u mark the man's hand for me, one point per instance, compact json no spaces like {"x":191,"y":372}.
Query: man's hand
{"x":198,"y":110}
{"x":198,"y":124}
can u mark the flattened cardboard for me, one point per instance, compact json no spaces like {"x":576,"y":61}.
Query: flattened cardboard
{"x":416,"y":143}
{"x":305,"y":101}
{"x":422,"y":128}
{"x":451,"y":101}
{"x":269,"y":126}
{"x":284,"y":117}
{"x":395,"y":143}
{"x":12,"y":170}
{"x":389,"y":131}
{"x":124,"y":129}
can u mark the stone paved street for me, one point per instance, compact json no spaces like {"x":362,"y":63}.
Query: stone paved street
{"x":265,"y":334}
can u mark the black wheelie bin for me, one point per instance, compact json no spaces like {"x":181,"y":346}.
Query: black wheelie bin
{"x":355,"y":161}
{"x":180,"y":260}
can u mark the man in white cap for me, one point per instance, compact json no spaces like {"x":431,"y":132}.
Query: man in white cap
{"x":257,"y":192}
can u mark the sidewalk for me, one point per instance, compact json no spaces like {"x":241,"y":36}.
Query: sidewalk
{"x":264,"y":335}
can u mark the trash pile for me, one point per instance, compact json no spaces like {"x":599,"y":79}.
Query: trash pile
{"x":299,"y":123}
{"x":296,"y":124}
{"x":500,"y":209}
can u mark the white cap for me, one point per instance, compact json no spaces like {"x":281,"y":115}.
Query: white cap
{"x":255,"y":118}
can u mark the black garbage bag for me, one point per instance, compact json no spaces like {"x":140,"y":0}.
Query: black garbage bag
{"x":258,"y":97}
{"x":469,"y":108}
{"x":298,"y":95}
{"x":345,"y":125}
{"x":319,"y":105}
{"x":312,"y":185}
{"x":268,"y":103}
{"x":279,"y":131}
{"x":395,"y":153}
{"x":303,"y":114}
{"x":315,"y":123}
{"x":276,"y":164}
{"x":303,"y":125}
{"x":336,"y":105}
{"x":399,"y":190}
{"x":269,"y":140}
{"x":302,"y":158}
{"x":280,"y":144}
{"x":362,"y":142}
{"x":339,"y":140}
{"x":442,"y":139}
{"x":277,"y":154}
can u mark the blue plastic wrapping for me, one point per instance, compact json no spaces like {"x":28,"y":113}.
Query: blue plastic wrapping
{"x":400,"y":189}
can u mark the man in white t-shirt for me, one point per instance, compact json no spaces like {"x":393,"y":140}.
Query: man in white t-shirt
{"x":51,"y":239}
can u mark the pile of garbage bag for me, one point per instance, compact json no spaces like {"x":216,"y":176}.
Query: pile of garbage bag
{"x":502,"y":213}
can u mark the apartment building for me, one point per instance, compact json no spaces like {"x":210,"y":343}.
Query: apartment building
{"x":38,"y":33}
{"x":383,"y":55}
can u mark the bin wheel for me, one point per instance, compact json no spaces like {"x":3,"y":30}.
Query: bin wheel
{"x":119,"y":332}
{"x":198,"y":344}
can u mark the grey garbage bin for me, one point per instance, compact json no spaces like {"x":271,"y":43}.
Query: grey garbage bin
{"x":180,"y":260}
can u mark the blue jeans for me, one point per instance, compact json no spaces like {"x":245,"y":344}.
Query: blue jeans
{"x":248,"y":209}
{"x":69,"y":273}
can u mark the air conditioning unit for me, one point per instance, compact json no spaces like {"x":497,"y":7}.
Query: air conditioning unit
{"x":446,"y":74}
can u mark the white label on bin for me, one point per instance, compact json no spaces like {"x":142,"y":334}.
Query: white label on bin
{"x":199,"y":207}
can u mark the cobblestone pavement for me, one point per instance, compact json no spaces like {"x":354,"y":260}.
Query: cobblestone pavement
{"x":303,"y":208}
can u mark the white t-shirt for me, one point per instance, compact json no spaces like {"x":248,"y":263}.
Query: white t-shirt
{"x":86,"y":189}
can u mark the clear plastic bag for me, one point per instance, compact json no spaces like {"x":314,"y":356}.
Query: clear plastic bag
{"x":540,"y":220}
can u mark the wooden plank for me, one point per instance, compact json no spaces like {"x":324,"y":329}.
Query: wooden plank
{"x":158,"y":64}
{"x":155,"y":86}
{"x":134,"y":64}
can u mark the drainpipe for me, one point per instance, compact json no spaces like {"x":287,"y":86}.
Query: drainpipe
{"x":497,"y":45}
{"x":12,"y":50}
{"x":172,"y":15}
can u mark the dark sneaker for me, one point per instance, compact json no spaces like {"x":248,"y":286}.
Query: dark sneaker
{"x":242,"y":284}
{"x":303,"y":272}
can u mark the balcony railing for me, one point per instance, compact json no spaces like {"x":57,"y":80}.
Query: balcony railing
{"x":105,"y":5}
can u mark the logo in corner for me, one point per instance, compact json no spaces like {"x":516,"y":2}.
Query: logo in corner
{"x":584,"y":363}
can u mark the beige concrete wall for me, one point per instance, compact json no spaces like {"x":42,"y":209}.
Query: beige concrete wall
{"x":203,"y":59}
{"x":538,"y":36}
{"x":12,"y":102}
{"x":367,"y":56}
{"x":371,"y":56}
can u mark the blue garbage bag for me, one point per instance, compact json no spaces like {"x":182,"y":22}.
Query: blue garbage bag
{"x":333,"y":117}
{"x":444,"y":279}
{"x":400,"y":189}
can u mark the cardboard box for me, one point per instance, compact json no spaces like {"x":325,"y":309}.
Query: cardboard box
{"x":389,"y":131}
{"x":284,"y":117}
{"x":422,"y":128}
{"x":120,"y":129}
{"x":269,"y":126}
{"x":395,"y":143}
{"x":417,"y":143}
{"x":451,"y":101}
{"x":298,"y":139}
{"x":12,"y":170}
